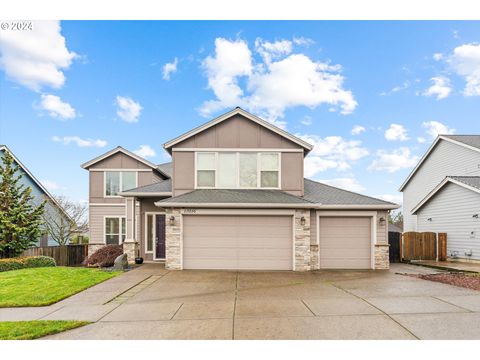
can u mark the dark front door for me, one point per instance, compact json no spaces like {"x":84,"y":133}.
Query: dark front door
{"x":160,"y":237}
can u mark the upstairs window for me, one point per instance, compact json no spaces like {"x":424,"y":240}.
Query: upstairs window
{"x":238,"y":170}
{"x":118,"y":181}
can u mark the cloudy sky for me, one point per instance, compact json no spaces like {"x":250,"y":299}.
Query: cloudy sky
{"x":371,"y":96}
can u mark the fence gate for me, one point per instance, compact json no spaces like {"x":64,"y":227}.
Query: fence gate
{"x":395,"y":242}
{"x":419,"y":246}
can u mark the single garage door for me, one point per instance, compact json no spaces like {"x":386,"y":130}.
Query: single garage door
{"x":345,"y":242}
{"x":237,"y":242}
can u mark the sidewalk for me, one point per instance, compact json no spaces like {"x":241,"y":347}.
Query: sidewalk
{"x":450,"y":265}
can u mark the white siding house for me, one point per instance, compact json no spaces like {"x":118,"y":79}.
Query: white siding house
{"x":449,"y":155}
{"x":455,"y":210}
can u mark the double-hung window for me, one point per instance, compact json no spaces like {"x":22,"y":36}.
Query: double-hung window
{"x":117,"y":181}
{"x":115,"y":230}
{"x":238,"y":170}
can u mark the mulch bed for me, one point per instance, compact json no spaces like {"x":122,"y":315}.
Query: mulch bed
{"x":469,"y":281}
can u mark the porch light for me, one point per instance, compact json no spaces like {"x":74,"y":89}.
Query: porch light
{"x":302,"y":221}
{"x":172,"y":220}
{"x":382,"y":220}
{"x":475,"y":216}
{"x":429,"y":219}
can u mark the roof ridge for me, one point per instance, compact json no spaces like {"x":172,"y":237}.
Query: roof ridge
{"x":351,"y":192}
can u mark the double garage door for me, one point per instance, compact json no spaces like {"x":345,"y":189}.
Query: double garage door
{"x":237,"y":242}
{"x":266,"y":242}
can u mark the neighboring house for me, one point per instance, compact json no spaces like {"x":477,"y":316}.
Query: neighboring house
{"x":234,"y":197}
{"x":442,"y":194}
{"x":394,"y":228}
{"x":39,"y":193}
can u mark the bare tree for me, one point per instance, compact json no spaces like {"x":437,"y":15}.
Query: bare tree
{"x":61,"y":227}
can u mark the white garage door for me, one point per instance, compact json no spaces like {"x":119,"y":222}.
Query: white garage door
{"x":345,"y":242}
{"x":237,"y":242}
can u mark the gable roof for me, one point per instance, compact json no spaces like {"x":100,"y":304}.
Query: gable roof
{"x":467,"y":182}
{"x":238,"y":111}
{"x":166,"y":168}
{"x":120,"y":149}
{"x":38,"y":183}
{"x":469,"y":141}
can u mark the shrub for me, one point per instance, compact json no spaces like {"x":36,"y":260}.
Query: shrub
{"x":104,"y":256}
{"x":26,"y":262}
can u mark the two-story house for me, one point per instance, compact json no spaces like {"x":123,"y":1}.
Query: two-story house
{"x":442,"y":194}
{"x":234,"y":197}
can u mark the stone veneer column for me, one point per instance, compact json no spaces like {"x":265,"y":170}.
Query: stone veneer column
{"x":94,"y":247}
{"x":382,"y":260}
{"x":173,"y":240}
{"x":302,"y":240}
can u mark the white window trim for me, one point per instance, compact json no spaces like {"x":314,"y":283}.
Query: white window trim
{"x":105,"y":183}
{"x":153,"y":213}
{"x":259,"y":170}
{"x":105,"y":217}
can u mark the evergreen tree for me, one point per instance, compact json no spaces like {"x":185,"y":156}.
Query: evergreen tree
{"x":20,"y":217}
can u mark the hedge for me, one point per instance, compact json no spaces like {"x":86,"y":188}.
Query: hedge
{"x":26,"y":262}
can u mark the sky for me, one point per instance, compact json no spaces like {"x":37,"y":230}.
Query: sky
{"x":370,"y":96}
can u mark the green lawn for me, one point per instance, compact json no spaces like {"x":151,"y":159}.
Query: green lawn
{"x":45,"y":286}
{"x":28,"y":330}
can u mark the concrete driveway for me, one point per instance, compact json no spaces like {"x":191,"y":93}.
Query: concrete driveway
{"x":152,"y":303}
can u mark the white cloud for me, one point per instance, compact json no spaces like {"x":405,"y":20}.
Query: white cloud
{"x":331,"y":152}
{"x":357,"y":130}
{"x":346,"y":183}
{"x":395,"y":198}
{"x":465,"y":60}
{"x":302,"y":41}
{"x":128,"y":109}
{"x":404,"y":86}
{"x":396,"y":132}
{"x":394,"y":160}
{"x":421,"y":139}
{"x":56,"y":107}
{"x":169,"y":69}
{"x":145,"y":151}
{"x":435,"y":128}
{"x":52,"y":185}
{"x":36,"y":58}
{"x":66,"y":140}
{"x":282,"y":80}
{"x":437,"y":56}
{"x":441,"y":88}
{"x":307,"y":121}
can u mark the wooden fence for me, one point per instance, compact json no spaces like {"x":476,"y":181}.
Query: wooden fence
{"x":423,"y":246}
{"x":69,"y":255}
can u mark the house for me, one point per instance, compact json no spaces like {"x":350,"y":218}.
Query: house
{"x":233,"y":197}
{"x":395,"y":228}
{"x":39,"y":193}
{"x":442,"y":194}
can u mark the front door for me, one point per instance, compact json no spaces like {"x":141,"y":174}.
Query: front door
{"x":160,"y":237}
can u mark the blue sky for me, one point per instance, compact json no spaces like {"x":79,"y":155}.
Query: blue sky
{"x":70,"y":91}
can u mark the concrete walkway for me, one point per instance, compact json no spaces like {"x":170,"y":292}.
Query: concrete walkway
{"x":451,"y":265}
{"x":152,"y":303}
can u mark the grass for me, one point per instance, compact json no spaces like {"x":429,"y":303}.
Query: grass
{"x":45,"y":286}
{"x":28,"y":330}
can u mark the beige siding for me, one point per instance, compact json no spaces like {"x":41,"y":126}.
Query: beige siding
{"x":382,"y":227}
{"x":238,"y":242}
{"x":119,"y":161}
{"x":96,"y":221}
{"x":183,"y":172}
{"x":292,"y":173}
{"x":446,"y":159}
{"x":451,"y":211}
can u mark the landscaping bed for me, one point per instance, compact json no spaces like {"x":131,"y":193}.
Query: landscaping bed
{"x":465,"y":280}
{"x":28,"y":330}
{"x":48,"y":285}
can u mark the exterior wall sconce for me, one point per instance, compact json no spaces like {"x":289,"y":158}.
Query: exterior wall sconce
{"x":303,"y":221}
{"x":475,"y":216}
{"x":381,"y":220}
{"x":429,"y":219}
{"x":171,"y":220}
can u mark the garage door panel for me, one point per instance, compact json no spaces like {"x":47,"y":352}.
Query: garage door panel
{"x":237,"y":242}
{"x":345,"y":242}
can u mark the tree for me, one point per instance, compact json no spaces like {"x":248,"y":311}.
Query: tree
{"x":60,"y":227}
{"x":396,"y":218}
{"x":20,"y":214}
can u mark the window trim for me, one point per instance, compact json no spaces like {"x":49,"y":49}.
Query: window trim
{"x":154,"y":214}
{"x":237,"y":152}
{"x":121,"y":182}
{"x":120,"y":217}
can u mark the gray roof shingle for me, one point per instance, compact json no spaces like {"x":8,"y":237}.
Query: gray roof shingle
{"x":471,"y":140}
{"x":473,"y":181}
{"x":166,"y":168}
{"x":158,"y":187}
{"x":316,"y":192}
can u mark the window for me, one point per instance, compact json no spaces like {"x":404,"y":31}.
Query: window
{"x":230,"y":170}
{"x":117,"y":181}
{"x":150,"y":231}
{"x":115,"y":230}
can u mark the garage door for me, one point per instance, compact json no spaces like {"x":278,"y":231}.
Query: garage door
{"x":237,"y":242}
{"x":345,"y":242}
